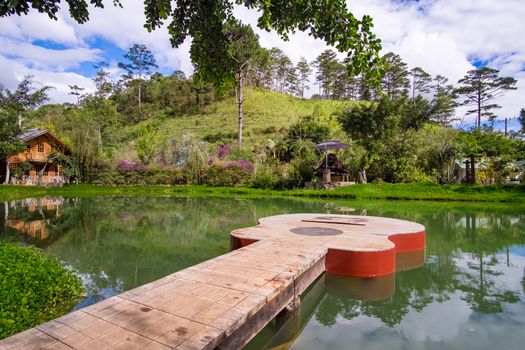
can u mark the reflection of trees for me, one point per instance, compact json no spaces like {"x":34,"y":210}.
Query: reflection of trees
{"x":121,"y":242}
{"x":462,"y":255}
{"x":118,"y":243}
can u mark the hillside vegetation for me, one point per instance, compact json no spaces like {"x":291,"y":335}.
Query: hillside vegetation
{"x":267,"y":116}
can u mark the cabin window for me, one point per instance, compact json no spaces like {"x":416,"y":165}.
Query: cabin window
{"x":28,"y":149}
{"x":41,"y":148}
{"x":12,"y":166}
{"x":38,"y":233}
{"x":45,"y":172}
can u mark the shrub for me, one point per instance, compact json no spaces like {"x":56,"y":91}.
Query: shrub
{"x":228,"y":174}
{"x":137,"y":175}
{"x":33,"y":289}
{"x":272,"y":177}
{"x":223,"y":151}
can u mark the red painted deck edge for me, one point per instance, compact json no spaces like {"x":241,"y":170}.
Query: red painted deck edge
{"x":364,"y":264}
{"x":408,"y":242}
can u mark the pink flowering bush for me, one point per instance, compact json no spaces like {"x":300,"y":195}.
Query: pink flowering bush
{"x":223,"y":151}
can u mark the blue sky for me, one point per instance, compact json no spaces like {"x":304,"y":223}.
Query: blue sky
{"x":447,"y":37}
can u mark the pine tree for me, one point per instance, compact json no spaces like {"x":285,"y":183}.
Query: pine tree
{"x":395,"y":82}
{"x":443,"y":102}
{"x":243,"y":52}
{"x":76,"y":91}
{"x":326,"y":65}
{"x":101,"y":80}
{"x":421,"y":81}
{"x":304,"y":70}
{"x":140,"y":62}
{"x":479,"y":87}
{"x":522,"y":120}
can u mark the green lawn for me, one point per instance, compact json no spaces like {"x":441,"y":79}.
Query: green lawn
{"x":434,"y":192}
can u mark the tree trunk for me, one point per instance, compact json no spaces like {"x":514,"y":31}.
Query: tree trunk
{"x":479,"y":108}
{"x":362,"y":176}
{"x":472,"y":170}
{"x":140,"y":92}
{"x":41,"y":175}
{"x":7,"y":172}
{"x":240,"y":100}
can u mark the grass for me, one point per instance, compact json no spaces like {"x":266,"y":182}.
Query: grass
{"x":266,"y":114}
{"x":431,"y":192}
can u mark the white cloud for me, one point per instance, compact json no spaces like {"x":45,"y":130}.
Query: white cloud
{"x":42,"y":58}
{"x":441,"y":36}
{"x":36,"y":26}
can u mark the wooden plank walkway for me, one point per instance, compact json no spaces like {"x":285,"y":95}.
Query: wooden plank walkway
{"x":223,"y":302}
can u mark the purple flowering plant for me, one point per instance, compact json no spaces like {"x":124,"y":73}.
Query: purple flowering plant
{"x":223,"y":151}
{"x":125,"y":165}
{"x":245,"y":165}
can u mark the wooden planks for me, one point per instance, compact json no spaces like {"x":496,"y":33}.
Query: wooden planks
{"x":223,"y":302}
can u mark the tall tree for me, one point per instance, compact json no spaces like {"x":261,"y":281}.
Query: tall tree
{"x":14,"y":109}
{"x":479,"y":87}
{"x":395,"y":82}
{"x":140,"y":62}
{"x":101,"y":80}
{"x":327,"y":66}
{"x":522,"y":120}
{"x":421,"y":81}
{"x":9,"y":141}
{"x":304,"y":70}
{"x":76,"y":91}
{"x":443,"y":102}
{"x":368,"y":126}
{"x":286,"y":75}
{"x":243,"y":49}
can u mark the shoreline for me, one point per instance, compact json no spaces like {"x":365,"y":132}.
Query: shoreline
{"x":401,"y":191}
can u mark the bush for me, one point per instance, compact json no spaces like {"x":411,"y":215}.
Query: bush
{"x":33,"y":289}
{"x":272,"y":177}
{"x":135,"y":175}
{"x":228,"y":174}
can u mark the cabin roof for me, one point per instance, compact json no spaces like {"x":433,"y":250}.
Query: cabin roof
{"x":31,"y":134}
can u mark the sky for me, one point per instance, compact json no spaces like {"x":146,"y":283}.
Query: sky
{"x":447,"y":37}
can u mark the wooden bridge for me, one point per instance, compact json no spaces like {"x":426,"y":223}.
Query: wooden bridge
{"x":223,"y":302}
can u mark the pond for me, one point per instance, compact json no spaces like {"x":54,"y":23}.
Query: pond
{"x":470,"y":294}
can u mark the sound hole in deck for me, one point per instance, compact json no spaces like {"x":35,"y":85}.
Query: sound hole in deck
{"x":316,"y":231}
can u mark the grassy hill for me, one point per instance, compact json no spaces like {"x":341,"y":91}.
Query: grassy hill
{"x":267,"y":115}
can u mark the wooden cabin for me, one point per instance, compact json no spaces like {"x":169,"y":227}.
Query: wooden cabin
{"x":40,"y":168}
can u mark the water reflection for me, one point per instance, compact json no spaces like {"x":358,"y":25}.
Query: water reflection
{"x":32,"y":217}
{"x":470,"y":292}
{"x":471,"y":286}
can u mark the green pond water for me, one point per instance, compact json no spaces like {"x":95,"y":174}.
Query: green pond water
{"x":470,"y":294}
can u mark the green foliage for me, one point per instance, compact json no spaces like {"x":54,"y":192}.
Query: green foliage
{"x":272,"y":176}
{"x":146,"y":147}
{"x":9,"y":131}
{"x":141,"y":176}
{"x":395,"y":82}
{"x":219,"y":175}
{"x":21,"y":169}
{"x":33,"y":289}
{"x":370,"y":126}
